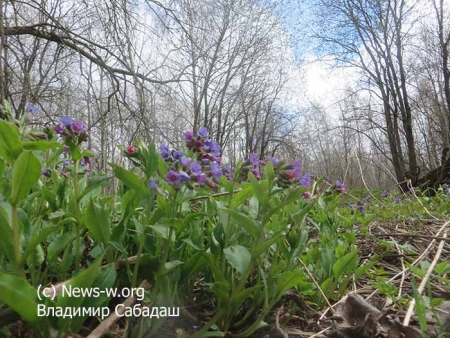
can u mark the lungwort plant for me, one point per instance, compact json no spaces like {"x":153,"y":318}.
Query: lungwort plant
{"x":234,"y":239}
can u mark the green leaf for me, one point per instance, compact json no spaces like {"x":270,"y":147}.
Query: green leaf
{"x":83,"y":280}
{"x":238,"y":257}
{"x":270,"y":173}
{"x":152,"y":161}
{"x":25,"y":173}
{"x":244,"y":221}
{"x":6,"y":241}
{"x":36,"y":239}
{"x":264,"y":246}
{"x":350,"y":261}
{"x":169,"y":266}
{"x":97,"y":220}
{"x":130,"y":179}
{"x":58,"y":245}
{"x":10,"y":145}
{"x":287,"y":280}
{"x":19,"y":295}
{"x":240,"y":197}
{"x":260,"y":192}
{"x":420,"y":307}
{"x":94,"y":183}
{"x":240,"y":297}
{"x":2,"y":167}
{"x":105,"y":279}
{"x":41,"y":145}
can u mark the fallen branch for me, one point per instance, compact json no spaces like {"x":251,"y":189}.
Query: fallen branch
{"x":104,"y":326}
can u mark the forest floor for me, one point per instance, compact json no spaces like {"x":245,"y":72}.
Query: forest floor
{"x":413,"y":254}
{"x":405,"y":294}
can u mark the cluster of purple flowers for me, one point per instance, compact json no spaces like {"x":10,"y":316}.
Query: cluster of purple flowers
{"x":339,"y":187}
{"x":385,"y":194}
{"x":446,"y":189}
{"x":361,"y":208}
{"x":290,"y":174}
{"x":71,"y":130}
{"x":202,"y":169}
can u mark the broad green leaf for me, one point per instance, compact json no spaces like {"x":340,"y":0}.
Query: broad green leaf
{"x":83,"y":280}
{"x":240,"y":197}
{"x":442,"y":268}
{"x":37,"y":238}
{"x":105,"y":280}
{"x":244,"y":221}
{"x":130,"y":179}
{"x":287,"y":280}
{"x":350,"y":261}
{"x":260,"y":191}
{"x":264,"y":246}
{"x":58,"y":245}
{"x":240,"y":297}
{"x":25,"y":173}
{"x":41,"y":145}
{"x":162,"y":230}
{"x":19,"y":295}
{"x":75,"y":152}
{"x":95,"y":182}
{"x":162,"y":168}
{"x":6,"y":241}
{"x":10,"y":145}
{"x":420,"y":307}
{"x":152,"y":161}
{"x":270,"y":173}
{"x":2,"y":167}
{"x":169,"y":266}
{"x":238,"y":257}
{"x":98,"y":222}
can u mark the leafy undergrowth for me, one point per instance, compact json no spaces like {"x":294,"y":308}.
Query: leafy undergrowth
{"x":193,"y":248}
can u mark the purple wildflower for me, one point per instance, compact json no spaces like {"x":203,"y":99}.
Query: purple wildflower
{"x":153,"y":183}
{"x":339,"y":186}
{"x":177,"y":154}
{"x":66,"y":121}
{"x":185,"y":161}
{"x":361,"y":208}
{"x":305,"y":180}
{"x":33,"y":109}
{"x":351,"y":206}
{"x":256,"y":173}
{"x":164,"y":151}
{"x":59,"y":129}
{"x":184,"y":177}
{"x":212,"y":147}
{"x":385,"y":194}
{"x":189,"y":135}
{"x":196,"y":168}
{"x":200,"y":178}
{"x":216,"y":172}
{"x":77,"y":127}
{"x":397,"y":200}
{"x":254,"y":159}
{"x":173,"y":177}
{"x":274,"y":160}
{"x":202,"y":132}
